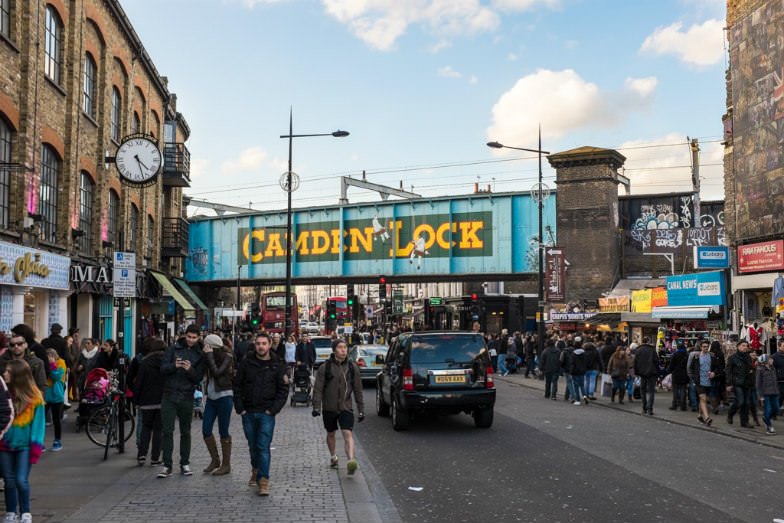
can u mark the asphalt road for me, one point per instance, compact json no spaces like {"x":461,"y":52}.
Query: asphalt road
{"x":545,"y":460}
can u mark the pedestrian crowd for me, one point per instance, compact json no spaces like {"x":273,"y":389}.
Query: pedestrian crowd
{"x":703,"y":377}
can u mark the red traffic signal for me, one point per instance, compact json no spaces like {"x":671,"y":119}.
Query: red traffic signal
{"x":473,"y":296}
{"x":382,"y":280}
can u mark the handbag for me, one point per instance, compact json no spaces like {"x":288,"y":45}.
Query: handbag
{"x":616,"y":374}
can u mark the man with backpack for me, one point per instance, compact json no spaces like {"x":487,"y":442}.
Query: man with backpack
{"x":336,"y":381}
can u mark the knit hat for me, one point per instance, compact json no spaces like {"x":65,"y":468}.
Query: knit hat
{"x":214,"y":341}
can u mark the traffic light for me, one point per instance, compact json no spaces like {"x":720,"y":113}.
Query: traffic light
{"x":382,"y":288}
{"x":255,"y":314}
{"x":350,"y":299}
{"x":331,"y":315}
{"x":428,"y":311}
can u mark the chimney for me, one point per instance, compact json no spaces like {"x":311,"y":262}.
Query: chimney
{"x":173,"y":102}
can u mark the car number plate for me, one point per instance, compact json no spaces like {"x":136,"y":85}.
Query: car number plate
{"x":449,"y":379}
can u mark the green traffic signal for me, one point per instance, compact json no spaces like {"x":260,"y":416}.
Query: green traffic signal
{"x":332,"y":316}
{"x":351,"y":302}
{"x":255,"y":322}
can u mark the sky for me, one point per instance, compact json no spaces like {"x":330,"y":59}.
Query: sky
{"x":422,"y":85}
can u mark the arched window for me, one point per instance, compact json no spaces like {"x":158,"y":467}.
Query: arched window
{"x":90,"y":83}
{"x":133,"y":224}
{"x":112,"y":217}
{"x":86,"y":189}
{"x":137,"y":123}
{"x":47,"y":193}
{"x":5,"y":174}
{"x":5,"y":18}
{"x":116,"y":112}
{"x":54,"y":44}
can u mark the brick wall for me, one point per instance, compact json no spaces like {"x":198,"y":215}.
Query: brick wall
{"x":739,"y":9}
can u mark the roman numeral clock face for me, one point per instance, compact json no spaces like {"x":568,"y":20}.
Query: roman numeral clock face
{"x":138,"y":161}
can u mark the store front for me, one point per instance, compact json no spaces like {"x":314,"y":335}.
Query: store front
{"x":173,"y":311}
{"x":34,"y":286}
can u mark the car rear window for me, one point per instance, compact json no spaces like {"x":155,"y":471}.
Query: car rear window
{"x":321,"y":343}
{"x":433,"y":349}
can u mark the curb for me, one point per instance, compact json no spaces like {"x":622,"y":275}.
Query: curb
{"x":764,"y":441}
{"x":365,"y":497}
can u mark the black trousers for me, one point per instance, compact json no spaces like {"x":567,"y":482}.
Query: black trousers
{"x":151,"y":429}
{"x":56,"y":410}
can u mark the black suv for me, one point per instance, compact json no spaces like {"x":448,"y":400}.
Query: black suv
{"x":442,"y":372}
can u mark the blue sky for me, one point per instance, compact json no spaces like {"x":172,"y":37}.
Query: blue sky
{"x":425,"y":83}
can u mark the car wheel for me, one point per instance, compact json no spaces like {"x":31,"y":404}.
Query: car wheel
{"x":399,"y":416}
{"x":483,"y":418}
{"x":382,"y":407}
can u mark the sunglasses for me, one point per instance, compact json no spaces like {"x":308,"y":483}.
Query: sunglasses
{"x":16,"y":344}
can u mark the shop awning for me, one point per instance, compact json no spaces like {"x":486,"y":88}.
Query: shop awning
{"x":639,"y":317}
{"x":169,"y":288}
{"x":681,"y":313}
{"x":605,"y":318}
{"x":192,"y":295}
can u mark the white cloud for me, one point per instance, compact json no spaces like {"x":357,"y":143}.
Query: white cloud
{"x":511,"y":57}
{"x":448,"y":72}
{"x":199,"y":168}
{"x":248,"y":160}
{"x":379,"y":23}
{"x":473,"y":80}
{"x":250,"y":4}
{"x":668,"y":168}
{"x":643,"y":86}
{"x":441,"y":44}
{"x":700,"y":45}
{"x":561,"y":101}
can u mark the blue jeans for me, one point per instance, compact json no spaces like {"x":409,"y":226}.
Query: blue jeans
{"x":693,"y":396}
{"x":569,"y":386}
{"x":647,"y":391}
{"x":630,"y":388}
{"x":258,"y":428}
{"x":16,"y":472}
{"x":771,"y":408}
{"x":741,"y":403}
{"x":590,"y":382}
{"x":221,"y":409}
{"x":501,"y":361}
{"x":550,"y":384}
{"x":578,"y":386}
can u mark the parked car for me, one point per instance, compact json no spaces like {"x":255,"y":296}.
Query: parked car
{"x":312,"y":327}
{"x":323,"y":348}
{"x":437,"y":372}
{"x":368,"y":361}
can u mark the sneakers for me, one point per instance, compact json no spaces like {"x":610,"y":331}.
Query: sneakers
{"x":351,"y":466}
{"x":26,"y":518}
{"x":505,"y":373}
{"x":141,"y":460}
{"x":771,"y":431}
{"x":333,"y":462}
{"x":156,"y":462}
{"x":165,"y":472}
{"x":10,"y":517}
{"x":186,"y":470}
{"x":56,"y":446}
{"x":575,"y":403}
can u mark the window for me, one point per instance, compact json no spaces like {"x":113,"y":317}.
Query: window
{"x":86,"y":212}
{"x":150,"y":236}
{"x":133,"y":223}
{"x":90,"y":78}
{"x":137,"y":124}
{"x":54,"y":44}
{"x":5,"y":173}
{"x":47,"y":194}
{"x":111,"y":218}
{"x":116,"y":112}
{"x":5,"y":18}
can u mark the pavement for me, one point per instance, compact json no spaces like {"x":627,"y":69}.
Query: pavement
{"x":662,"y":402}
{"x":76,"y":485}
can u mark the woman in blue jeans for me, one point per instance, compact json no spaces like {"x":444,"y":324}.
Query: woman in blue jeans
{"x":220,"y":371}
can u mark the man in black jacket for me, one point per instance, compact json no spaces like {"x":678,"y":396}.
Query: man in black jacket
{"x":739,"y":378}
{"x":778,"y":364}
{"x":306,"y":352}
{"x":260,"y":391}
{"x":646,"y":366}
{"x":57,"y":342}
{"x":183,"y":369}
{"x":550,"y":366}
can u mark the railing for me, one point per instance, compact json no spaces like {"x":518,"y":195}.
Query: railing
{"x":175,"y":238}
{"x":176,"y":164}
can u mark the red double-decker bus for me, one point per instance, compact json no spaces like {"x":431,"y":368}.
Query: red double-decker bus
{"x":273,"y":312}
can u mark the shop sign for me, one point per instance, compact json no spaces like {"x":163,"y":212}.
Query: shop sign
{"x":617,"y":304}
{"x":711,"y":257}
{"x":658,"y":297}
{"x":641,"y":300}
{"x":90,"y":274}
{"x":21,"y":265}
{"x":704,"y":288}
{"x":571,"y":316}
{"x":555,"y":274}
{"x":765,"y":256}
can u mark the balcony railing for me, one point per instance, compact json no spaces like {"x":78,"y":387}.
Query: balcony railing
{"x":176,"y":165}
{"x":174,"y":243}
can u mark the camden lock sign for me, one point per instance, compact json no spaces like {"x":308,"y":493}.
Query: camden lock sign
{"x":21,"y":265}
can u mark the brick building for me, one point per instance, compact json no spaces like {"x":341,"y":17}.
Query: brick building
{"x":74,"y":80}
{"x":754,"y":158}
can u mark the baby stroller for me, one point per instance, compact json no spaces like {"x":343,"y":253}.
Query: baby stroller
{"x":94,"y":395}
{"x":198,"y":403}
{"x":301,"y":386}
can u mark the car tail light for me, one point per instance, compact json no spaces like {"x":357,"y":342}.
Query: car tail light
{"x":361,"y":362}
{"x":408,"y":379}
{"x":489,"y":381}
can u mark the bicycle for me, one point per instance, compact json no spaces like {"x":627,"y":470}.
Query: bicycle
{"x":103,"y":424}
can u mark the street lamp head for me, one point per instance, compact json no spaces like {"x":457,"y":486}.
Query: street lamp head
{"x":495,"y":145}
{"x":340,"y":134}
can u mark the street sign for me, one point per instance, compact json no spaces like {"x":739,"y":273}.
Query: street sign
{"x":124,"y":275}
{"x":435,"y":301}
{"x":555,"y":274}
{"x":711,"y":257}
{"x":397,"y":302}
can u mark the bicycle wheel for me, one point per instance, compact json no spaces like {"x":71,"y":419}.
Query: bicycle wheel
{"x":96,"y":426}
{"x":111,"y":431}
{"x":129,"y":425}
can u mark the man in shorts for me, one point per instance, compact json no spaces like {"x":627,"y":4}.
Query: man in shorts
{"x":336,"y":381}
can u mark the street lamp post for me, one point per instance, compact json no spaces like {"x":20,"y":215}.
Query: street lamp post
{"x":540,"y":198}
{"x":288,"y":188}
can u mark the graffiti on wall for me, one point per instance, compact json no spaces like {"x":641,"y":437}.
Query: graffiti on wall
{"x":756,"y":57}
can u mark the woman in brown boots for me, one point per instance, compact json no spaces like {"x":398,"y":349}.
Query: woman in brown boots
{"x":619,"y":368}
{"x":220,"y":371}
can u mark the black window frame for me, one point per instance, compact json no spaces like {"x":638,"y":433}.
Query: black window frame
{"x":89,"y":85}
{"x":5,"y":18}
{"x":116,"y":113}
{"x":6,"y":138}
{"x":48,"y":192}
{"x":86,"y":199}
{"x":113,"y":218}
{"x":53,"y":45}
